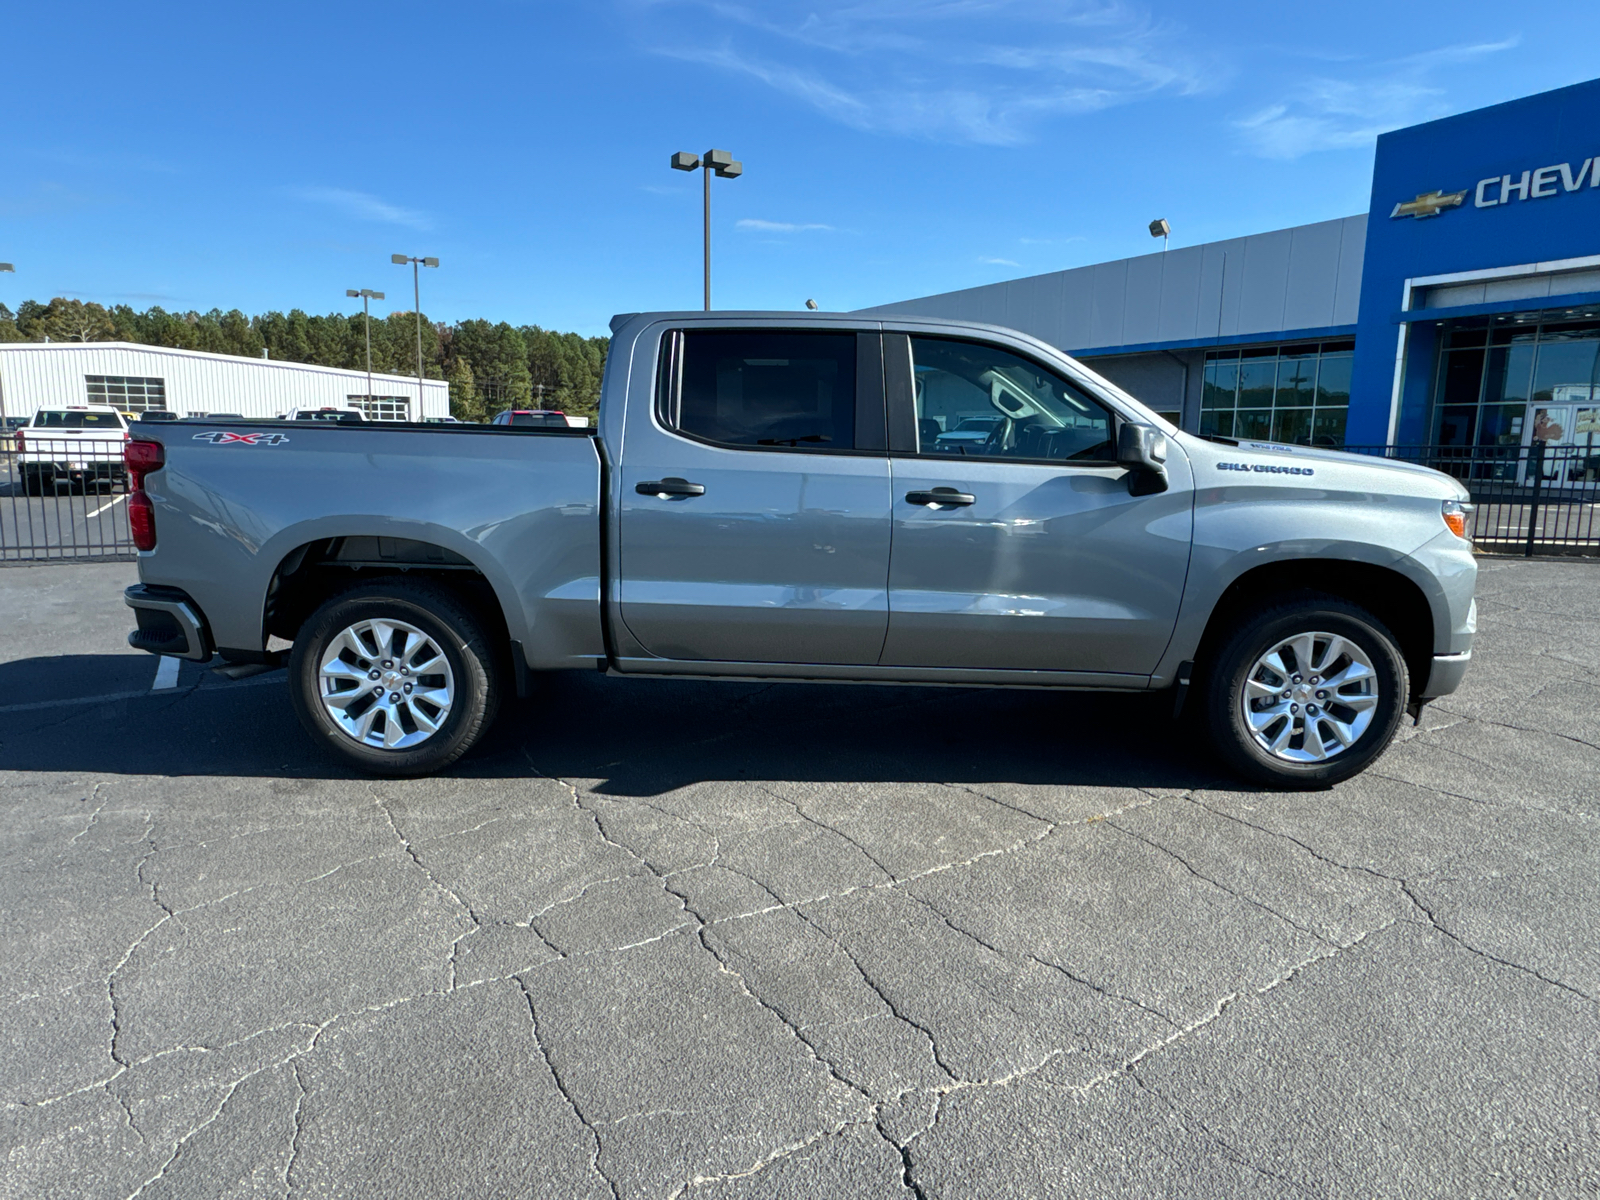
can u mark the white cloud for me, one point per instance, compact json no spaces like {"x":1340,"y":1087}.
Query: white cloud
{"x":754,"y":225}
{"x":972,"y":71}
{"x":1340,"y":114}
{"x":998,"y":262}
{"x":362,"y":206}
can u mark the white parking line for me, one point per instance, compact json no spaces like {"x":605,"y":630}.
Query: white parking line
{"x":108,"y":504}
{"x":113,"y":697}
{"x":166,"y":674}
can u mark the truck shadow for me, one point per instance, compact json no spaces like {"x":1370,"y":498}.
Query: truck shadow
{"x":640,"y":737}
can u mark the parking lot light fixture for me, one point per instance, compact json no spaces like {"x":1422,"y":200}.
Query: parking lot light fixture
{"x":416,"y":291}
{"x":367,"y":295}
{"x":722,"y":164}
{"x":1162,"y":229}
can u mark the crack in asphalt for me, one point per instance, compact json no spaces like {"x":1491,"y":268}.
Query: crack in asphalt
{"x":299,"y":1130}
{"x":1494,"y":958}
{"x":1218,"y":884}
{"x":1226,"y":1148}
{"x":566,"y":1093}
{"x":405,"y":842}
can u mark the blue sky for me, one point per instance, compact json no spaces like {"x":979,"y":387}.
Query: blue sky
{"x":201,"y":155}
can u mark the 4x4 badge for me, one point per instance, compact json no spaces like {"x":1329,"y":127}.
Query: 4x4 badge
{"x":219,"y":438}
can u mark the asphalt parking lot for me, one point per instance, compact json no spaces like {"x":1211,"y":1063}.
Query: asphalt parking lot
{"x":734,"y":940}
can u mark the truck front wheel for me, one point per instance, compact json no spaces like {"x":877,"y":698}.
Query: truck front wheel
{"x":1306,"y":693}
{"x":396,"y":678}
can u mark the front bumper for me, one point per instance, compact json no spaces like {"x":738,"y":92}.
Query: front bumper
{"x":169,"y":622}
{"x":1445,"y":675}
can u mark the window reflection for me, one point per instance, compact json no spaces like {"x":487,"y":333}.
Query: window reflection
{"x":1297,"y":393}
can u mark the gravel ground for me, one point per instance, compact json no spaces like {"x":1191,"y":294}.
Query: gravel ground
{"x":792,"y":941}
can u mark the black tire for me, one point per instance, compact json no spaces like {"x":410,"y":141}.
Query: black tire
{"x":33,"y":481}
{"x":444,"y":619}
{"x":1236,"y":659}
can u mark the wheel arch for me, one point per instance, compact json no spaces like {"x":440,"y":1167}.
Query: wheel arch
{"x":1391,"y":595}
{"x":309,"y":573}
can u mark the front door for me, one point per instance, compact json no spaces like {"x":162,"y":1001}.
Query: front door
{"x":1024,"y":549}
{"x":755,"y":504}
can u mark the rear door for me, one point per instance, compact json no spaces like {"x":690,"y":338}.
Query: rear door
{"x":754,"y":510}
{"x":1025,"y":550}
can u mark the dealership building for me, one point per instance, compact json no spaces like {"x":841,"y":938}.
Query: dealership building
{"x":1463,"y":308}
{"x":137,"y":379}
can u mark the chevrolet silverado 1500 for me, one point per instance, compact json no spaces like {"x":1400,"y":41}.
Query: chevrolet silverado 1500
{"x":775,"y":496}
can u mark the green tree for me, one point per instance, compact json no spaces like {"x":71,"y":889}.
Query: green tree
{"x":8,"y":326}
{"x":64,"y":320}
{"x":499,"y":360}
{"x":464,"y":402}
{"x":566,"y":368}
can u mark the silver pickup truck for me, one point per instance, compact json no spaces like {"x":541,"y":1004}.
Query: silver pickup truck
{"x":773,"y":496}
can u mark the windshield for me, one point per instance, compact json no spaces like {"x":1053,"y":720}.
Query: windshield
{"x":77,"y":420}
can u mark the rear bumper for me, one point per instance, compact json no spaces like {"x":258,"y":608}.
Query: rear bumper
{"x":1445,"y":675}
{"x":169,"y":623}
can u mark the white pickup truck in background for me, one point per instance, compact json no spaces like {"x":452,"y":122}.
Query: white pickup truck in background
{"x":76,"y":445}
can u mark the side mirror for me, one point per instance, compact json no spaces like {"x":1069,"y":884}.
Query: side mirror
{"x":1143,"y":450}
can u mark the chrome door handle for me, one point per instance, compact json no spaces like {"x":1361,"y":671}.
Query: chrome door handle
{"x":670,"y":486}
{"x":942,"y":497}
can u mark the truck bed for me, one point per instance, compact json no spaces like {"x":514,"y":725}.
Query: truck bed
{"x":242,"y":502}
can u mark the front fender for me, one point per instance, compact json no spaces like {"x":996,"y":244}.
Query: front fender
{"x":1241,"y":528}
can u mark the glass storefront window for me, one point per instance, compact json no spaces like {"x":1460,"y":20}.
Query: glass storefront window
{"x":1257,"y":373}
{"x":1516,"y":380}
{"x":1296,"y":393}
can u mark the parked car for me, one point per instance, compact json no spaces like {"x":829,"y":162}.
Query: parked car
{"x":761,"y":501}
{"x":532,"y":418}
{"x":970,"y":431}
{"x":338,"y":416}
{"x":76,"y":445}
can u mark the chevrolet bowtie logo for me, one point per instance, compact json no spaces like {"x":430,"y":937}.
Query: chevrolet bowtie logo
{"x":1429,"y":204}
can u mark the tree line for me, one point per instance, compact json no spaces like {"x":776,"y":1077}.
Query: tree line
{"x":490,"y":366}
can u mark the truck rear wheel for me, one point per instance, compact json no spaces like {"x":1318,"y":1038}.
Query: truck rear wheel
{"x":397,"y":678}
{"x":1306,"y":694}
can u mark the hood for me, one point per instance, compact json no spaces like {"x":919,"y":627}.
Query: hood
{"x":1343,"y":461}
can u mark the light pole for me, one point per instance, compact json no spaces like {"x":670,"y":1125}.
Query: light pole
{"x":720,"y":162}
{"x":416,"y":291}
{"x":367,"y":294}
{"x":4,"y":267}
{"x":1162,"y":229}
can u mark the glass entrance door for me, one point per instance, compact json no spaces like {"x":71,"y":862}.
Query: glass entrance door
{"x":1521,"y":382}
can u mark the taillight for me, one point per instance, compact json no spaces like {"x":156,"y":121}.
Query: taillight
{"x":141,"y":458}
{"x":142,"y":520}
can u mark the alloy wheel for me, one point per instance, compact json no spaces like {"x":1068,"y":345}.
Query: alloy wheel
{"x":385,"y":684}
{"x":1310,"y":697}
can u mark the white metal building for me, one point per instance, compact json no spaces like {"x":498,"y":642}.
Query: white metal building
{"x":136,"y":378}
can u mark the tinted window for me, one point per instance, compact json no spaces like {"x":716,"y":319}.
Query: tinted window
{"x":77,"y":420}
{"x":965,"y":389}
{"x":794,"y":391}
{"x":537,"y":420}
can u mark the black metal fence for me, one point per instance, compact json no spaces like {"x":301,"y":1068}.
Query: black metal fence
{"x":1529,"y":500}
{"x":63,"y":500}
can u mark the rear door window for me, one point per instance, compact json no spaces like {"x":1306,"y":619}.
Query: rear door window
{"x":774,"y":390}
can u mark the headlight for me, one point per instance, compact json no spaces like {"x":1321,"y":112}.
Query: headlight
{"x":1455,"y":518}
